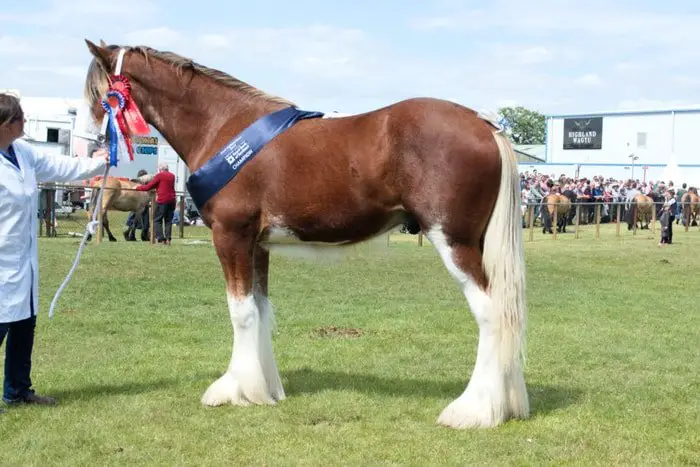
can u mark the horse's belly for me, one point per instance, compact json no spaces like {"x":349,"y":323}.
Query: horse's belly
{"x":331,"y":230}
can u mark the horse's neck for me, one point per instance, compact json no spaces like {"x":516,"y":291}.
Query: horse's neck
{"x":208,"y":116}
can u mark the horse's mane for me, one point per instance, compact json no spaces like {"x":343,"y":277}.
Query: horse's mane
{"x":96,"y":81}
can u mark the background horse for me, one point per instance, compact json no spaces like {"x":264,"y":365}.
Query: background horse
{"x":120,"y":196}
{"x":555,"y":202}
{"x":335,"y":182}
{"x":690,"y":208}
{"x":640,"y":210}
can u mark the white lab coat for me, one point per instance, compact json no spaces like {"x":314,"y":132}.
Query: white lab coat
{"x":19,"y":203}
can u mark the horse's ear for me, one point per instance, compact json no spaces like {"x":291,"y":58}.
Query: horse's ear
{"x":103,"y":43}
{"x":100,"y":53}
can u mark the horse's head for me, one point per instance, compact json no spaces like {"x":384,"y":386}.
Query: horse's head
{"x":97,"y":80}
{"x":110,"y":76}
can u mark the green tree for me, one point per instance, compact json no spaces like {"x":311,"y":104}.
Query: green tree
{"x":524,"y":126}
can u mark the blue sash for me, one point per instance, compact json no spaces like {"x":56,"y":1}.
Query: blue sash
{"x":206,"y":181}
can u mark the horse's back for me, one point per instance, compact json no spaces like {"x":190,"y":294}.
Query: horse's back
{"x":387,"y":152}
{"x":557,"y":201}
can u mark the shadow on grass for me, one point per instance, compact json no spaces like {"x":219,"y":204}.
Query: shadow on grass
{"x":543,"y":398}
{"x":96,"y":391}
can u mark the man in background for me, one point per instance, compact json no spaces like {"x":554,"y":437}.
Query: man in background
{"x":164,"y":183}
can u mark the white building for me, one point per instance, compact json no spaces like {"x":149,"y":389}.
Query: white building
{"x":49,"y":122}
{"x":656,"y":144}
{"x":64,"y":127}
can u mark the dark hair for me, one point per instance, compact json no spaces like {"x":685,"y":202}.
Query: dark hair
{"x":10,"y":109}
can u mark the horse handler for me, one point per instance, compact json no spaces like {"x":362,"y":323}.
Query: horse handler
{"x":164,"y":183}
{"x":21,"y":167}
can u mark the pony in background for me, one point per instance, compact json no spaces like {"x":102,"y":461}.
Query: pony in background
{"x":639,"y":212}
{"x":120,"y":195}
{"x":690,"y":207}
{"x":555,"y":202}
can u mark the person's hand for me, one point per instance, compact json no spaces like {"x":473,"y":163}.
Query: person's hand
{"x":103,"y":153}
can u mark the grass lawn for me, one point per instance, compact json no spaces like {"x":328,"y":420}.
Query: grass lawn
{"x":141,"y":332}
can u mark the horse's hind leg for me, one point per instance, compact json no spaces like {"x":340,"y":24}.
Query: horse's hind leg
{"x":105,"y":223}
{"x":244,"y":381}
{"x":496,"y":390}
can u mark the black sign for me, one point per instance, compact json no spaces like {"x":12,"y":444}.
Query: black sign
{"x":583,"y":133}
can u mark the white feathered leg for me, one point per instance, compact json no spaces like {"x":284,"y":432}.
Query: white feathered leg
{"x":244,"y":381}
{"x":267,"y":355}
{"x":496,"y":390}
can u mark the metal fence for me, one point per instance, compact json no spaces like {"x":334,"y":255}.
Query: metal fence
{"x":625,"y":216}
{"x":63,"y":210}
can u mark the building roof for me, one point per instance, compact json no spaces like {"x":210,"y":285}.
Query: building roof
{"x":46,"y":106}
{"x":650,"y":111}
{"x":530,"y":152}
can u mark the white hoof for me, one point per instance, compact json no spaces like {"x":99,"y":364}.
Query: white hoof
{"x":228,"y":390}
{"x":468,"y":411}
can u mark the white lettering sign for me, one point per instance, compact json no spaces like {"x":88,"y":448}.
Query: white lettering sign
{"x":582,"y":137}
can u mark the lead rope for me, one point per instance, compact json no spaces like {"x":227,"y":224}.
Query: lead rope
{"x":91,"y":227}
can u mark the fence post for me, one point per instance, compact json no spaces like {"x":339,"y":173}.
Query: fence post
{"x":182,"y":216}
{"x":578,"y":220}
{"x":531,"y":221}
{"x":50,"y":213}
{"x":555,"y":220}
{"x":617,"y":228}
{"x":598,"y":207}
{"x":653,"y":218}
{"x":100,"y":228}
{"x":151,"y":216}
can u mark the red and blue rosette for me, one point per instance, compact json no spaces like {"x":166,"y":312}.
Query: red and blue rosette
{"x":133,"y":120}
{"x":112,"y":104}
{"x":124,"y":118}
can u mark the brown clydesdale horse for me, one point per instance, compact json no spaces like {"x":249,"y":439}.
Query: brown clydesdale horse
{"x":334,"y":182}
{"x":555,"y":202}
{"x":640,"y":210}
{"x":120,"y":196}
{"x":690,"y":207}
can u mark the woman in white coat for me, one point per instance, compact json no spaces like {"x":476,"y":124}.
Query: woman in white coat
{"x":21,"y":167}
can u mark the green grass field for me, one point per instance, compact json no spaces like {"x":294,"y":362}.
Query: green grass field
{"x":142,"y":331}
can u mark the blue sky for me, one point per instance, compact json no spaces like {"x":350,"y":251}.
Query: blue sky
{"x":556,"y":56}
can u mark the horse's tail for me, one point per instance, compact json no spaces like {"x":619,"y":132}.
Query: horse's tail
{"x":634,"y":208}
{"x":544,"y":212}
{"x":504,"y":262}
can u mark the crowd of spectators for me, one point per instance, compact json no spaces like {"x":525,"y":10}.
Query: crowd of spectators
{"x":598,"y":189}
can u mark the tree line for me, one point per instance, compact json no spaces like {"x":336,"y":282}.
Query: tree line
{"x":524,"y":126}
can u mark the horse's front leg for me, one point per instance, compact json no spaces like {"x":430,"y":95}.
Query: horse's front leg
{"x":244,"y":381}
{"x":267,"y":321}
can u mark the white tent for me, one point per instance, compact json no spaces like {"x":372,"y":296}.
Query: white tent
{"x":671,"y":172}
